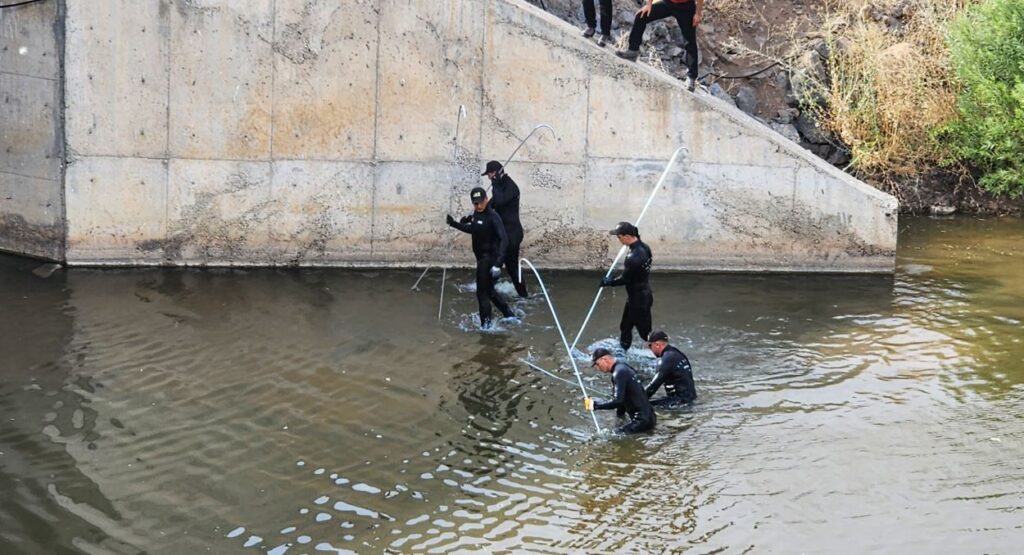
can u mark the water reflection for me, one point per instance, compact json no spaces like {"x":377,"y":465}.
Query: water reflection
{"x":171,"y":411}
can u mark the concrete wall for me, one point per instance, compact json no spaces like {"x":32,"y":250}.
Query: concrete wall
{"x":323,"y":131}
{"x":31,"y":143}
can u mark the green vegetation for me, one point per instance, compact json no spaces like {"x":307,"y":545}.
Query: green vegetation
{"x":986,"y":45}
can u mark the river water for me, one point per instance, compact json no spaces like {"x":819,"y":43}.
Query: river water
{"x":326,"y":411}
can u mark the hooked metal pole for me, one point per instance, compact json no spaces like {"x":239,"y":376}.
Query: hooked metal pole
{"x":523,"y":142}
{"x":561,"y":333}
{"x":622,"y":251}
{"x":451,"y":248}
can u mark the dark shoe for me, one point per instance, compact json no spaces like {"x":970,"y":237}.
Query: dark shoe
{"x":691,"y":84}
{"x":604,"y":39}
{"x":485,"y":324}
{"x":589,"y":32}
{"x":630,"y":55}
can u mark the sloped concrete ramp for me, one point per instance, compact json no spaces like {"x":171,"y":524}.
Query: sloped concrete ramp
{"x":323,"y":132}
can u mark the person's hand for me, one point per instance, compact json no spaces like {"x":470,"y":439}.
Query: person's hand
{"x":450,"y":219}
{"x":696,"y":20}
{"x":588,"y":403}
{"x":645,"y":11}
{"x":606,"y":281}
{"x":466,"y":219}
{"x":495,"y":271}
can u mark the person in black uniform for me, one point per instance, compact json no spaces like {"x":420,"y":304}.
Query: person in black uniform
{"x":505,"y":201}
{"x":637,"y":312}
{"x":674,"y":372}
{"x":489,"y":246}
{"x":629,"y":397}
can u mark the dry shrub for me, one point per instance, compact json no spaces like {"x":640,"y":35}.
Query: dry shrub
{"x":890,"y":84}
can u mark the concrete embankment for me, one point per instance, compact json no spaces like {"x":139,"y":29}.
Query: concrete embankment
{"x":323,"y":133}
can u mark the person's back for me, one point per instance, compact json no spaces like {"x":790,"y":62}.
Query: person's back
{"x":631,"y":397}
{"x":505,"y":201}
{"x":638,"y":268}
{"x":675,"y":373}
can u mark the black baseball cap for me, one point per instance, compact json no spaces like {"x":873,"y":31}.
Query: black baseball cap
{"x":598,"y":353}
{"x":477,"y":194}
{"x":657,"y":336}
{"x":492,"y":166}
{"x":625,"y":228}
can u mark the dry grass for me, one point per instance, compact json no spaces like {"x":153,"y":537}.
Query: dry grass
{"x":889,"y":89}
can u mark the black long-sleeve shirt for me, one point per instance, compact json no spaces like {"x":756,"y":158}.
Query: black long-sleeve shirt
{"x":489,"y":237}
{"x":629,"y":394}
{"x":677,"y":376}
{"x":505,"y":201}
{"x":637,"y":269}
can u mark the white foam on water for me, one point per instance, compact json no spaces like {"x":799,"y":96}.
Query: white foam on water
{"x":366,"y":488}
{"x":288,"y":530}
{"x":321,"y":500}
{"x":279,"y":550}
{"x":323,"y":517}
{"x":253,"y":540}
{"x":236,"y":532}
{"x":304,"y":539}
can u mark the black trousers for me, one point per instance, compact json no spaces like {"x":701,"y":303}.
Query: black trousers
{"x":512,"y":262}
{"x":606,"y":15}
{"x":670,"y":402}
{"x":636,"y":314}
{"x":684,"y":16}
{"x":636,"y":426}
{"x":485,"y":293}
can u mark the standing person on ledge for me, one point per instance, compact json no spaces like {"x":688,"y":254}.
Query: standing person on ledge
{"x":688,"y":13}
{"x":505,"y":201}
{"x":489,"y":245}
{"x":640,"y":299}
{"x":606,"y":20}
{"x":628,"y":397}
{"x":674,"y":373}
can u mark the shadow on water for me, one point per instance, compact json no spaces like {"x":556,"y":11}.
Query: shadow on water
{"x":178,"y":411}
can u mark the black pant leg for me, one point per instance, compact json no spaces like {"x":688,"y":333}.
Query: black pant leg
{"x":606,"y":17}
{"x":636,"y":427}
{"x":660,"y":10}
{"x":484,"y":286}
{"x":626,"y":328}
{"x":589,"y":13}
{"x":512,"y":264}
{"x":642,"y":317}
{"x":685,"y":20}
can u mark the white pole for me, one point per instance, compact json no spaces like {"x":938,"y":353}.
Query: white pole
{"x":622,"y":251}
{"x":451,"y":249}
{"x":561,"y":333}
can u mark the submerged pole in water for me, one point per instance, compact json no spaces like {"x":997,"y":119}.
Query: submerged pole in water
{"x":622,"y":251}
{"x":561,"y":333}
{"x":451,"y":247}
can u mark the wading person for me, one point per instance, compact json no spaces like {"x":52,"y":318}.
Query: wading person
{"x":505,"y":201}
{"x":674,"y":373}
{"x":629,"y":397}
{"x":635,"y":276}
{"x":606,"y":20}
{"x":688,"y":14}
{"x":489,"y":245}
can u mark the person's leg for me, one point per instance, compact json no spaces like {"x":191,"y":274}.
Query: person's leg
{"x":691,"y":56}
{"x":636,"y":427}
{"x":490,"y":295}
{"x":660,"y":10}
{"x":642,"y":317}
{"x":591,"y":16}
{"x":512,"y":264}
{"x":483,"y":285}
{"x":606,"y":16}
{"x":626,"y":328}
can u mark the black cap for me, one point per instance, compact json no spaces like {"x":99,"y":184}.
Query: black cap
{"x":492,"y":166}
{"x":598,"y":353}
{"x":477,"y":194}
{"x":657,"y":336}
{"x":625,"y":228}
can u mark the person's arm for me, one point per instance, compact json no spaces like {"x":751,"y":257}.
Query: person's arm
{"x":499,"y":228}
{"x":646,"y":10}
{"x":463,"y":227}
{"x":633,"y":264}
{"x":698,"y":15}
{"x":657,"y":382}
{"x":619,"y":401}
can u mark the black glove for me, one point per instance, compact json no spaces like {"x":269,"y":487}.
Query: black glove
{"x":466,"y":219}
{"x":606,"y":281}
{"x":450,"y":219}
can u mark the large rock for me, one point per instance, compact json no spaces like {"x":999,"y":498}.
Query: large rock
{"x":810,"y":79}
{"x":717,"y":91}
{"x":787,"y":130}
{"x":810,"y":130}
{"x":746,"y":99}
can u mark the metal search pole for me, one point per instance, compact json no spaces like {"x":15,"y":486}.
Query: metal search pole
{"x":622,"y":251}
{"x":451,"y":248}
{"x":561,"y":333}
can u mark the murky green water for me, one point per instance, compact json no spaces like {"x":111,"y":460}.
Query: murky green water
{"x":177,"y":411}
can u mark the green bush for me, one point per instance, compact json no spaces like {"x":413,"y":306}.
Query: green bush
{"x":987,"y":53}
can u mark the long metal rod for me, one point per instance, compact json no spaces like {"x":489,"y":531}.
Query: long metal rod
{"x":622,"y":251}
{"x":451,"y":196}
{"x":561,"y":333}
{"x":425,"y":270}
{"x":543,"y":371}
{"x":523,"y":142}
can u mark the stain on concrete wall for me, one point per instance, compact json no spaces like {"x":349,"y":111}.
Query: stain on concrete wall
{"x":327,"y":132}
{"x":31,"y":138}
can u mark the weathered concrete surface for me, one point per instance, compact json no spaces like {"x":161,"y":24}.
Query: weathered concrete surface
{"x":323,"y":132}
{"x":31,"y":144}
